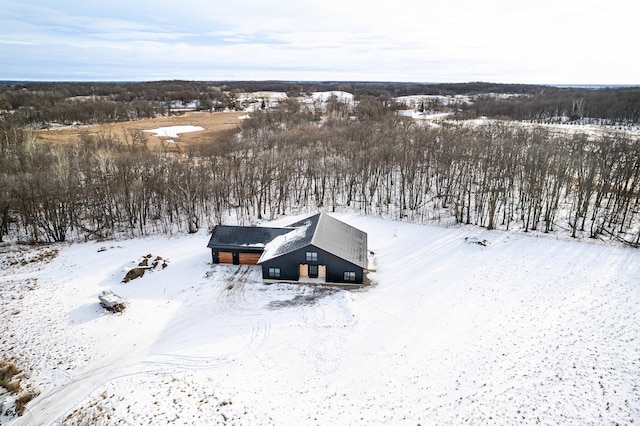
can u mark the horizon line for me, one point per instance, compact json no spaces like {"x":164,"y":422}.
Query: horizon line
{"x":364,"y":82}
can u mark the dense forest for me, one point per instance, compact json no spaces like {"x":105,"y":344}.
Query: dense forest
{"x":362,"y":157}
{"x":602,"y":106}
{"x":41,"y":104}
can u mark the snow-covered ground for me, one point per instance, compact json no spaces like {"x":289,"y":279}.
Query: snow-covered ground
{"x":173,"y":131}
{"x":344,"y":97}
{"x":255,"y":101}
{"x":558,"y":128}
{"x":423,"y":115}
{"x":269,"y":97}
{"x":415,"y":101}
{"x":460,"y":325}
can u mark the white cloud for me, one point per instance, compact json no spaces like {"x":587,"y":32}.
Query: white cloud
{"x":459,"y":40}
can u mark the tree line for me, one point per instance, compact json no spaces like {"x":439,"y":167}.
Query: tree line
{"x":40,"y":104}
{"x":364,"y":158}
{"x":602,"y":106}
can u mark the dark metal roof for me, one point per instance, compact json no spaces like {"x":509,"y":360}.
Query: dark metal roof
{"x":300,"y":236}
{"x":324,"y":232}
{"x":243,"y":237}
{"x":341,"y":239}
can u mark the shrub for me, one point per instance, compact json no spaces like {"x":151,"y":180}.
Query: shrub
{"x":23,"y":400}
{"x":8,"y":371}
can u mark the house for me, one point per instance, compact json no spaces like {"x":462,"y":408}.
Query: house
{"x":319,"y":248}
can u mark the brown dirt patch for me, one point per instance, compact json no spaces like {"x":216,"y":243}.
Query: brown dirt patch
{"x":143,"y":266}
{"x":133,"y":274}
{"x":213,"y":123}
{"x":22,"y":255}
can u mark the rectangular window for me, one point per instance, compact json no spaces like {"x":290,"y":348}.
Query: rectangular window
{"x":349,"y":276}
{"x":312,"y":256}
{"x":274,"y":272}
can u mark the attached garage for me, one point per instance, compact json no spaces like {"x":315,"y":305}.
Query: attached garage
{"x":241,"y":245}
{"x":249,"y":258}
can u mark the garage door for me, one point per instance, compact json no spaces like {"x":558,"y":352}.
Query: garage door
{"x":249,"y":258}
{"x":225,"y":257}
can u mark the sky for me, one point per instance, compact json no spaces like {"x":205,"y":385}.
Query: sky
{"x":502,"y":41}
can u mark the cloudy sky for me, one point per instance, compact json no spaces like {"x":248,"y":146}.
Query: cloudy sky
{"x":507,"y":41}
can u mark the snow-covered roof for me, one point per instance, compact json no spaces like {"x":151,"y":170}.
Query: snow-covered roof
{"x":286,"y":243}
{"x":323,"y":232}
{"x":243,"y":237}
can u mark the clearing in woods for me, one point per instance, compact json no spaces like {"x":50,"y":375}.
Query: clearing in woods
{"x":213,"y":123}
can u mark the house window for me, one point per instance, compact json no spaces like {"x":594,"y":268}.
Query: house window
{"x":274,"y":272}
{"x":349,"y":276}
{"x":312,"y":256}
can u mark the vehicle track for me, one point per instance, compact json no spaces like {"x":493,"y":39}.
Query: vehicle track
{"x":168,"y":362}
{"x":135,"y":356}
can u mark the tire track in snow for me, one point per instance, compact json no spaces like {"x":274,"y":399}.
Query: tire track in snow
{"x":328,"y":324}
{"x":233,"y":295}
{"x":172,"y":362}
{"x":134,"y":357}
{"x":230,"y":305}
{"x":50,"y":407}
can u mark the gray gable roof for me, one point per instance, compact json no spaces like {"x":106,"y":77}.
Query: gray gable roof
{"x":243,"y":237}
{"x":324,"y":232}
{"x":341,"y":239}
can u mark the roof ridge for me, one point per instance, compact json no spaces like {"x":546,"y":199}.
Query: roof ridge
{"x":315,"y":230}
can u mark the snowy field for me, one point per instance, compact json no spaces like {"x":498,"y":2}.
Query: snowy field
{"x":341,"y":96}
{"x":524,"y":329}
{"x":174,"y":131}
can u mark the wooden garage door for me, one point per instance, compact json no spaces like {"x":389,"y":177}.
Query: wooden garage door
{"x":249,"y":258}
{"x":225,"y":257}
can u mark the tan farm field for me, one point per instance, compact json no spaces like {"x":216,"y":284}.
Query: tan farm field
{"x":213,"y":123}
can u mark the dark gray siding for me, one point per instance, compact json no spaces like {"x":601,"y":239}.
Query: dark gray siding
{"x":289,"y":265}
